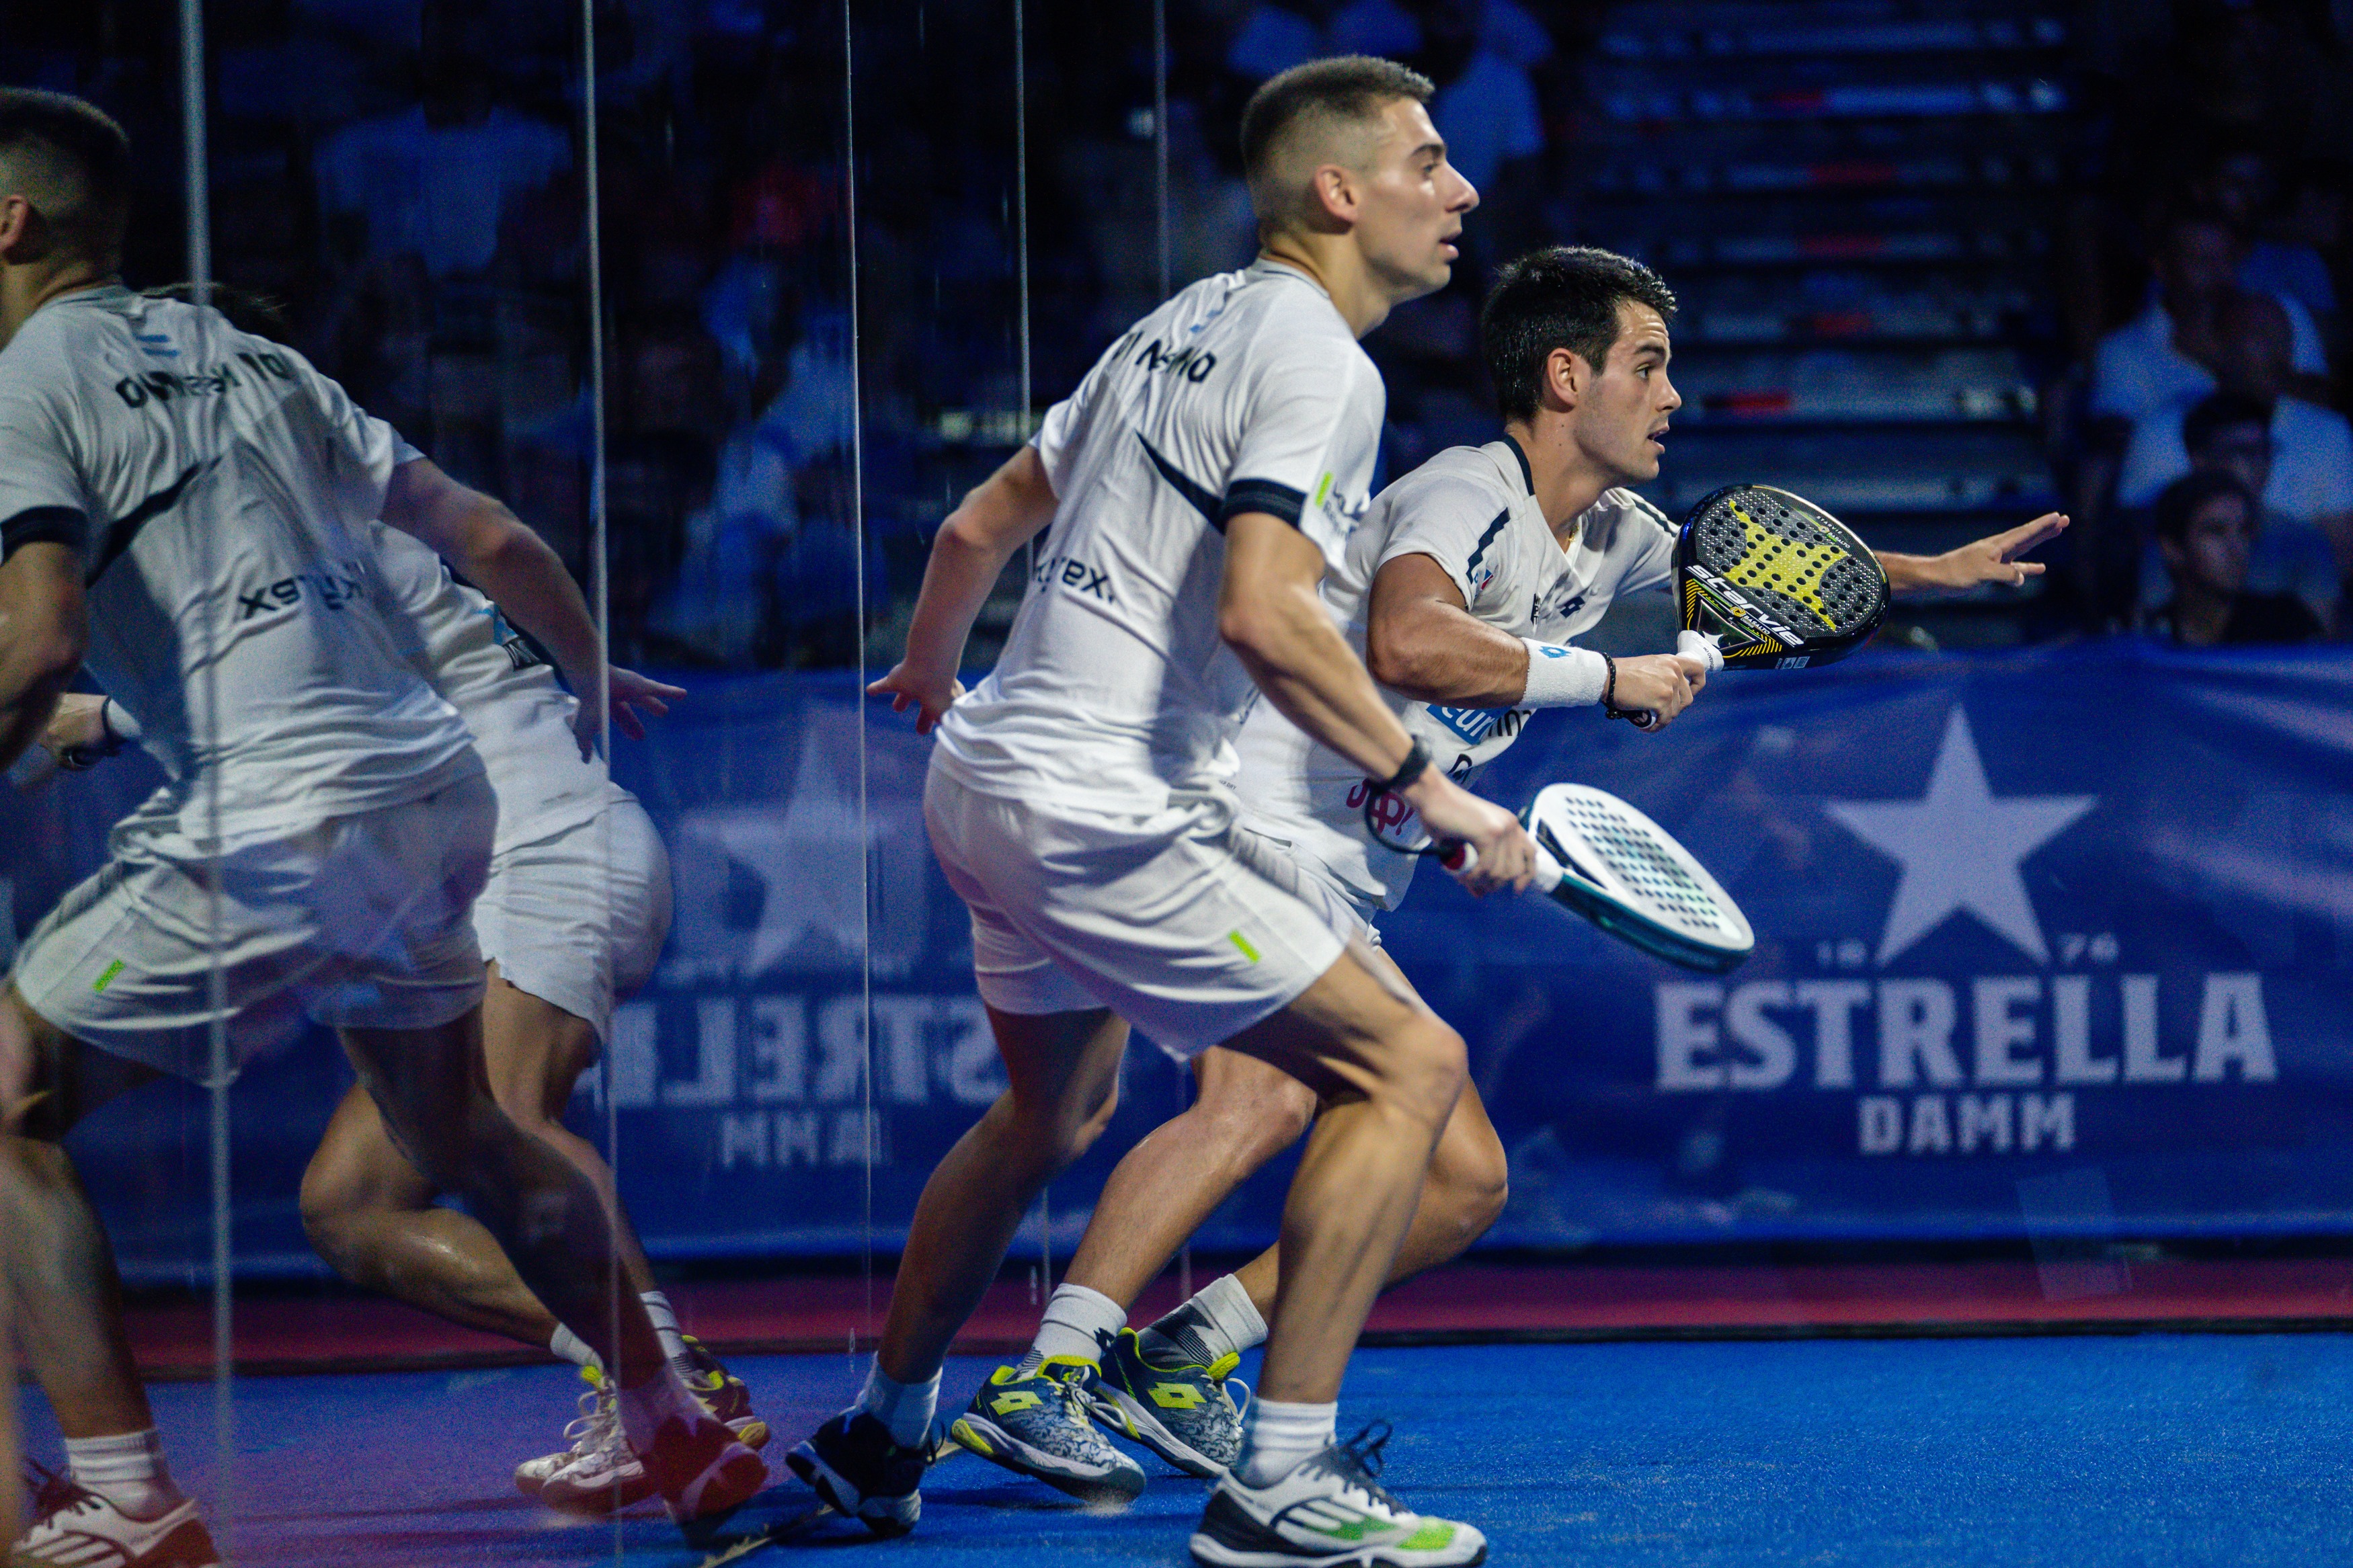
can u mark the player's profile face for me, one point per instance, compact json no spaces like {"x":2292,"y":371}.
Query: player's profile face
{"x":1621,"y":419}
{"x":1413,"y":205}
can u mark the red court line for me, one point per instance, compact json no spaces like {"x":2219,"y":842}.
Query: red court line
{"x":279,"y":1334}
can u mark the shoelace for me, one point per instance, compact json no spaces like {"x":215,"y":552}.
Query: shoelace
{"x":1356,"y":1463}
{"x":54,"y":1494}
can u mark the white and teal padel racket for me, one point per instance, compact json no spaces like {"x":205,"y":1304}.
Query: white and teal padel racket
{"x":1598,"y":856}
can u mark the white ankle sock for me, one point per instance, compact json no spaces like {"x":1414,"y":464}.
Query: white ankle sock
{"x":1219,"y":1321}
{"x":1078,"y":1323}
{"x":905,"y":1407}
{"x":660,"y":1398}
{"x":1279,"y":1436}
{"x":665,"y":1316}
{"x":573,"y":1349}
{"x":127,"y":1471}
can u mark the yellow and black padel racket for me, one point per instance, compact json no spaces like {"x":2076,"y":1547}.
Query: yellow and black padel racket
{"x":1776,"y":581}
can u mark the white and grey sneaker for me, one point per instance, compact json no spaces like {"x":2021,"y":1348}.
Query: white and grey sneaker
{"x":75,"y":1528}
{"x":598,"y":1475}
{"x":1329,"y":1510}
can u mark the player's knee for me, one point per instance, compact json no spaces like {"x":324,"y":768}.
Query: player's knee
{"x":1427,"y":1067}
{"x":1252,"y":1123}
{"x":1471,"y":1177}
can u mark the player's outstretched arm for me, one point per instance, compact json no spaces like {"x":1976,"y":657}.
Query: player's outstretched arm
{"x":44,"y":628}
{"x":1000,"y":514}
{"x":1993,"y":559}
{"x":499,"y":554}
{"x":1270,"y":614}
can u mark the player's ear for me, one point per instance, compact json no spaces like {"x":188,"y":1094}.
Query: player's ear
{"x":1333,"y":197}
{"x":1567,"y":378}
{"x":20,"y":230}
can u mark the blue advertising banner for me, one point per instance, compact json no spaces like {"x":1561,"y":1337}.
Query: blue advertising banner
{"x":2050,"y":943}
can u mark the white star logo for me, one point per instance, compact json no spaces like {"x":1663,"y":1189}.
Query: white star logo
{"x":1960,"y":847}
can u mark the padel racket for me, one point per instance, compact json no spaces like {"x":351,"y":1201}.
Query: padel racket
{"x":1764,"y":579}
{"x":1777,"y":582}
{"x":1601,"y":857}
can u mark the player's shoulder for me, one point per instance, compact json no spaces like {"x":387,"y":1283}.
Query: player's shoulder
{"x":1621,"y":518}
{"x":1283,"y":315}
{"x":1483,"y":477}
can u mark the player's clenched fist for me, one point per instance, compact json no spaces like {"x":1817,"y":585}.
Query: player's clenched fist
{"x":1659,"y":684}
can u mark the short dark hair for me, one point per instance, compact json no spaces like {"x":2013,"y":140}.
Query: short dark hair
{"x":1344,"y":86}
{"x":76,"y":159}
{"x":2216,"y":411}
{"x":1563,"y":297}
{"x":2178,"y":502}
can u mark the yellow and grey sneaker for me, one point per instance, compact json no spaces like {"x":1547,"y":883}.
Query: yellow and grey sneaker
{"x":1186,"y":1415}
{"x":1037,"y":1424}
{"x":1329,"y":1510}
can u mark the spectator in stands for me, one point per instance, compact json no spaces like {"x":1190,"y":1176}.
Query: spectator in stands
{"x":2206,"y":529}
{"x":2307,"y":470}
{"x":2168,"y":353}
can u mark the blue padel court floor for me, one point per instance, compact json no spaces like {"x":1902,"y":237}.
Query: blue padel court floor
{"x":2081,"y":1452}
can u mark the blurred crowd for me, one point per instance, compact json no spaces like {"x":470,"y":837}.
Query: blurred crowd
{"x":2210,"y":253}
{"x":406,"y":178}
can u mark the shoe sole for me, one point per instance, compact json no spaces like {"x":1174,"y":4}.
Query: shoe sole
{"x":993,"y":1443}
{"x":1126,"y":1413}
{"x":897,"y":1517}
{"x":1212,"y":1553}
{"x":732,"y":1481}
{"x":596,"y":1502}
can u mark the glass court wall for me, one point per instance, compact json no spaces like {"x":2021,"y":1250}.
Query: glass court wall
{"x":730,"y":302}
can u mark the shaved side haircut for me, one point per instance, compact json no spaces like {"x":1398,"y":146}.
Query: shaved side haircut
{"x":1326,"y":111}
{"x":72,"y":162}
{"x":1563,"y":297}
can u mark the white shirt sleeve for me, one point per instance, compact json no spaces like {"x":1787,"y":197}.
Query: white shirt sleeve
{"x":41,"y":490}
{"x":362,"y":451}
{"x":1650,"y":544}
{"x":1456,"y":522}
{"x":1063,"y":429}
{"x":1291,"y":411}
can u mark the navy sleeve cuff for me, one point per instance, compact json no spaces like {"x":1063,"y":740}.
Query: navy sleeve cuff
{"x":1262,"y":495}
{"x":45,"y":525}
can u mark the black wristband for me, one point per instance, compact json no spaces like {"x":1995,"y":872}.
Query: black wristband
{"x":1416,"y":763}
{"x":1608,"y":684}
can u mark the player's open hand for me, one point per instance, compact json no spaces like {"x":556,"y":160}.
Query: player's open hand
{"x":1504,"y":855}
{"x":1659,"y":684}
{"x":626,"y":693}
{"x":76,"y":729}
{"x":931,"y":696}
{"x":1995,"y":559}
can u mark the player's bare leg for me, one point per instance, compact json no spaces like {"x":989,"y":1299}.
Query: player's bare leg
{"x":371,"y":1214}
{"x":432,"y":1087}
{"x":1063,"y":1074}
{"x":1388,"y":1072}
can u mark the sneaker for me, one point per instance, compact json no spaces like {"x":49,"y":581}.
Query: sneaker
{"x":74,"y":1526}
{"x":1183,"y":1414}
{"x":723,"y":1393}
{"x":1329,"y":1510}
{"x":1038,"y":1426}
{"x":863,"y":1475}
{"x":604,"y":1476}
{"x":702,"y":1471}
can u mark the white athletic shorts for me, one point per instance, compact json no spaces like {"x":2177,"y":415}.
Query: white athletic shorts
{"x":1188,"y":926}
{"x":359,"y":922}
{"x":577,"y":917}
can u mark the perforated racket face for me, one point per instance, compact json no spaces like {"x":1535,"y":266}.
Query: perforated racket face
{"x":1789,"y":582}
{"x":1636,"y":881}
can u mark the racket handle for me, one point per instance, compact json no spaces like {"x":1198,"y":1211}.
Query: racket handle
{"x":1460,"y":857}
{"x":1700,"y":646}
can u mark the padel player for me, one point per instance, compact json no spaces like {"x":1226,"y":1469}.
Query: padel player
{"x":186,"y":506}
{"x":1465,"y":587}
{"x":574,"y":913}
{"x":1082,"y":802}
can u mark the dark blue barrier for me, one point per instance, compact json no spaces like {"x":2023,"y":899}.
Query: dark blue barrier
{"x":2050,"y":943}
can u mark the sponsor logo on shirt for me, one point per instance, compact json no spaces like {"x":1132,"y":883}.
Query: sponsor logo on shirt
{"x":160,"y":386}
{"x":1191,"y":361}
{"x":1076,"y":575}
{"x":328,"y":590}
{"x":1472,"y":725}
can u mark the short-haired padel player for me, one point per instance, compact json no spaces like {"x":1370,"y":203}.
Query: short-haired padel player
{"x":574,"y":913}
{"x":1082,"y":802}
{"x":187,"y":507}
{"x":1465,"y":587}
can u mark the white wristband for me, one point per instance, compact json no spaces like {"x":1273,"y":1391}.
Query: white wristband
{"x":118,"y":719}
{"x":1563,"y":676}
